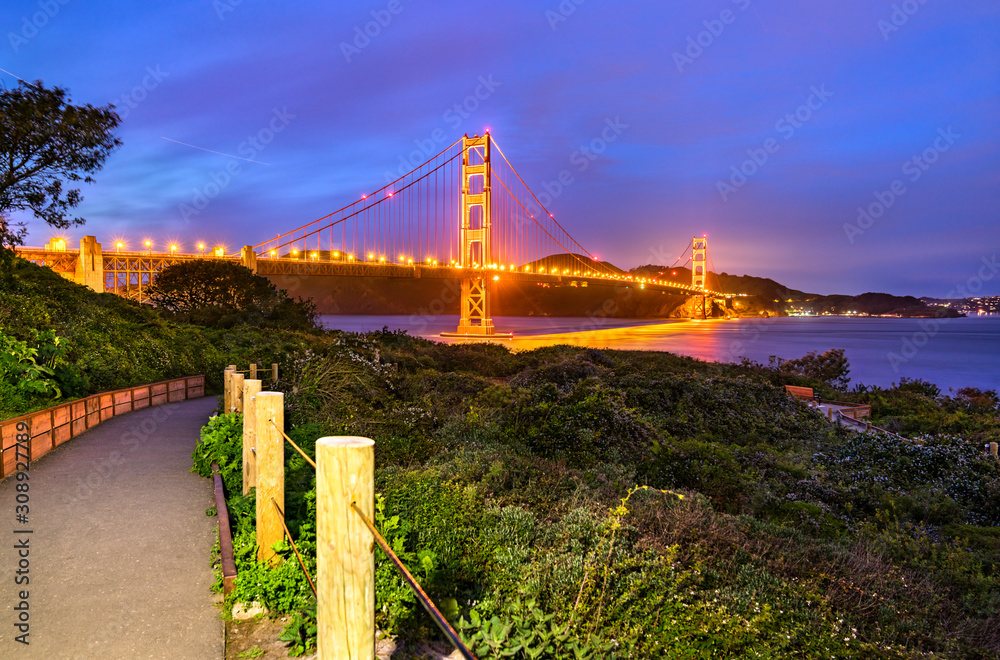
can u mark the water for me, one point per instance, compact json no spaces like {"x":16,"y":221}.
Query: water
{"x":951,"y":353}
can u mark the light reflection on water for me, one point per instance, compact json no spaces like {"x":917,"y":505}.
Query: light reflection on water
{"x":956,"y":353}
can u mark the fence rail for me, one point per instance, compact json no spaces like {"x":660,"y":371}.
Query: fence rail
{"x":344,"y":582}
{"x":53,"y":426}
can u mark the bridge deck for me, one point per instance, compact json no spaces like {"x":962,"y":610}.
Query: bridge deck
{"x":120,"y":543}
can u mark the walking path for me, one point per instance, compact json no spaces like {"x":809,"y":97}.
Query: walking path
{"x":119,"y":545}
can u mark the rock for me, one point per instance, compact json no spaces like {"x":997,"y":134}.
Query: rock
{"x":244,"y":612}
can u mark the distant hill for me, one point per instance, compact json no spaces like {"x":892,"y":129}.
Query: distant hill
{"x":773,"y":296}
{"x":764,"y":288}
{"x":574,"y":262}
{"x":874,"y":304}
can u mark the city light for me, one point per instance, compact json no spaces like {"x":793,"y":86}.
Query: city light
{"x":219,"y":251}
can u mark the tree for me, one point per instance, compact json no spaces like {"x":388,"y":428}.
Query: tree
{"x":830,"y":367}
{"x":224,"y":294}
{"x":45,"y":142}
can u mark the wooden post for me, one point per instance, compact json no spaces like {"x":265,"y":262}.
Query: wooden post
{"x":274,"y":372}
{"x":345,"y":565}
{"x":237,"y":387}
{"x":830,"y":411}
{"x":868,"y":426}
{"x":270,"y":472}
{"x":253,"y":371}
{"x":993,"y":449}
{"x":251,"y":388}
{"x":227,"y":389}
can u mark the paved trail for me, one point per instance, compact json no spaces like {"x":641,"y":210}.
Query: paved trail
{"x":120,"y":543}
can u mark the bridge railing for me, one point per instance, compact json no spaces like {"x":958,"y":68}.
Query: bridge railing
{"x":31,"y":436}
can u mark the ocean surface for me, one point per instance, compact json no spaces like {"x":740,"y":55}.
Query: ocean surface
{"x":952,"y":353}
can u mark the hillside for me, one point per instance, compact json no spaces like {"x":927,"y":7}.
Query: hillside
{"x":646,"y":504}
{"x":772,"y":296}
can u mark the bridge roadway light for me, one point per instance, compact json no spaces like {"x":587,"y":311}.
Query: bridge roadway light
{"x":370,"y":256}
{"x":350,"y":257}
{"x":118,"y":246}
{"x":173,"y":248}
{"x":149,"y":246}
{"x":201,"y":246}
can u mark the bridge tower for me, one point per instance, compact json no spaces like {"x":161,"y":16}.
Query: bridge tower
{"x":475,"y":230}
{"x":699,"y":262}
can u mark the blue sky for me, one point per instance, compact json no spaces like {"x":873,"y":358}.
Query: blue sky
{"x":833,"y":100}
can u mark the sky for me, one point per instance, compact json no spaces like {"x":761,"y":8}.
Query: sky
{"x":837,"y":147}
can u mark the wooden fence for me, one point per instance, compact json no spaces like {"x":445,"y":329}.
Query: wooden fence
{"x":49,"y":428}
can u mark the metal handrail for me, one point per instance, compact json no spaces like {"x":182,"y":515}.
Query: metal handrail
{"x":424,"y":599}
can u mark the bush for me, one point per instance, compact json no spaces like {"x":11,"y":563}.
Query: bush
{"x":223,"y":294}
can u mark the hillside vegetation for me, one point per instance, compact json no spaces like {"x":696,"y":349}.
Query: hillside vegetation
{"x":577,"y":503}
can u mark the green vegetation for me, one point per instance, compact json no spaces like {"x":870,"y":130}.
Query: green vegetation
{"x":574,"y":503}
{"x":223,"y":294}
{"x":98,"y":342}
{"x":570,"y":503}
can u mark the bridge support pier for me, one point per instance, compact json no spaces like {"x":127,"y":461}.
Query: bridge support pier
{"x":90,"y":265}
{"x":249,"y":258}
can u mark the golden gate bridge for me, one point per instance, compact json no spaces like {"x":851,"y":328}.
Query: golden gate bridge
{"x":464,"y":214}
